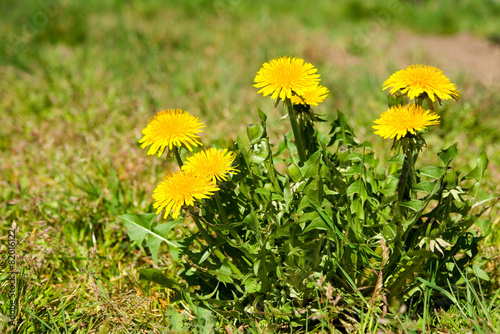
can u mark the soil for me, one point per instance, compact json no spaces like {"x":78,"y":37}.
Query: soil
{"x":471,"y":55}
{"x":476,"y":58}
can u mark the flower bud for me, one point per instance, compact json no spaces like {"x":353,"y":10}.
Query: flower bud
{"x":435,"y":233}
{"x":294,"y":173}
{"x":260,"y":151}
{"x":450,"y":179}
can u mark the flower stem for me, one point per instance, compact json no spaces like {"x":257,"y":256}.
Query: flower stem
{"x":223,"y":215}
{"x":403,"y":179}
{"x":178,"y":157}
{"x":430,"y":103}
{"x":210,"y":243}
{"x":202,"y":230}
{"x":407,"y":178}
{"x":419,"y":100}
{"x":299,"y":142}
{"x":270,"y":169}
{"x":222,"y":212}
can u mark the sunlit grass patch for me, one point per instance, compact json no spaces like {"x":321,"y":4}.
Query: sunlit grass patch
{"x":76,"y":91}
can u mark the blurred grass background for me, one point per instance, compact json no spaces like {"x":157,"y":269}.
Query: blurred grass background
{"x":79,"y":81}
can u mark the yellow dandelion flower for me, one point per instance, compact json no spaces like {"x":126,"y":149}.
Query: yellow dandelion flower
{"x":212,"y":163}
{"x":172,"y":127}
{"x":312,"y":97}
{"x":180,"y":189}
{"x":279,"y":77}
{"x":418,"y":79}
{"x":397,"y":121}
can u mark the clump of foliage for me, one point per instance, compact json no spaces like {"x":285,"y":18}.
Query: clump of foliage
{"x":314,"y":230}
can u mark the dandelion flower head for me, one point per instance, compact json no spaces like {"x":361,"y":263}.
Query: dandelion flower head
{"x":212,"y":163}
{"x":282,"y":76}
{"x":312,"y":97}
{"x":180,"y":189}
{"x":397,"y":121}
{"x":169,"y":128}
{"x":418,"y":79}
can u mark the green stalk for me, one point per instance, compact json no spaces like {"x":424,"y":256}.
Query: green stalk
{"x":407,"y":172}
{"x":221,"y":209}
{"x":210,"y":244}
{"x":223,"y":215}
{"x":403,"y":179}
{"x":431,"y":104}
{"x":302,"y":130}
{"x":419,"y":100}
{"x":178,"y":157}
{"x":299,"y":142}
{"x":270,"y":169}
{"x":202,"y":230}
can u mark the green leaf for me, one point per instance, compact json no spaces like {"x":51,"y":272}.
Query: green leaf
{"x":478,"y":172}
{"x":424,"y":186}
{"x":252,"y":221}
{"x":242,"y":141}
{"x":139,"y":226}
{"x":480,"y":273}
{"x":317,"y":224}
{"x":223,"y":273}
{"x":418,"y":254}
{"x":435,"y":287}
{"x":485,"y":227}
{"x":327,"y":220}
{"x":432,"y":171}
{"x":357,"y":209}
{"x":262,"y":116}
{"x":341,"y":133}
{"x":354,"y":169}
{"x":354,"y":156}
{"x":358,"y":187}
{"x":264,"y":192}
{"x":307,"y":217}
{"x":312,"y":192}
{"x":415,"y":204}
{"x":255,"y":132}
{"x":156,"y":276}
{"x":448,"y":154}
{"x":312,"y":165}
{"x":397,"y":159}
{"x":252,"y":285}
{"x":161,"y":231}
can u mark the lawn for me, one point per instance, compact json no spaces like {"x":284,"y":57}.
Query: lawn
{"x":81,"y":79}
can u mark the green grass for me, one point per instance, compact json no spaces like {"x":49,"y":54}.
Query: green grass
{"x":78,"y":88}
